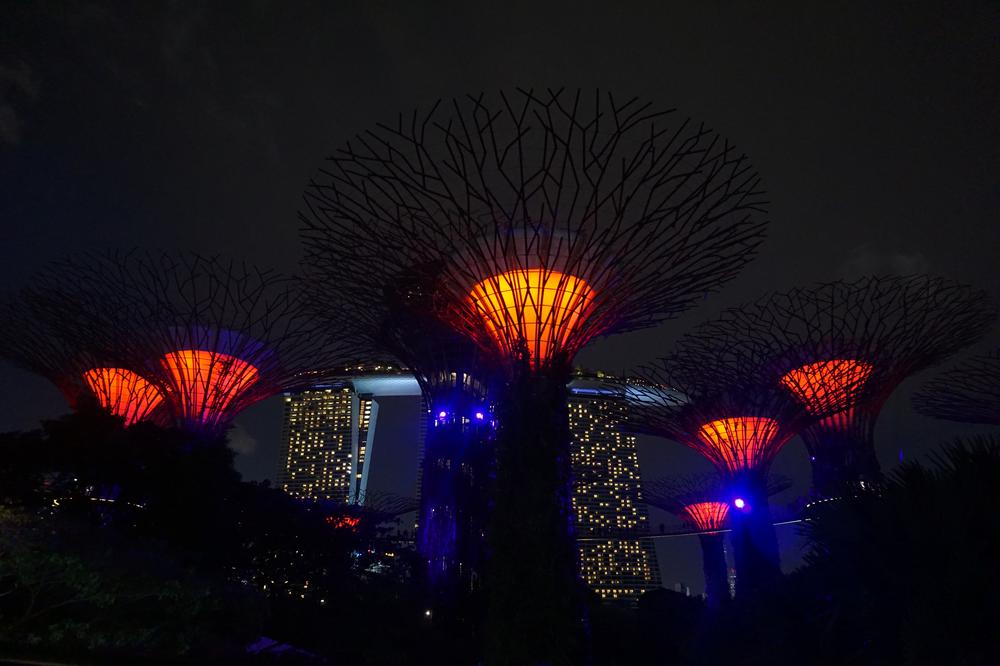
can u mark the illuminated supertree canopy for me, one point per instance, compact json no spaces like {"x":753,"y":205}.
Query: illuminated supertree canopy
{"x":968,"y":392}
{"x":213,"y":336}
{"x":704,"y":503}
{"x":78,"y":359}
{"x":553,"y":217}
{"x":840,"y":349}
{"x":709,"y":403}
{"x":701,"y":502}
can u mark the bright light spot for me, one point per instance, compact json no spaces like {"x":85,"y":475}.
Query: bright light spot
{"x":540,"y":307}
{"x":479,"y":416}
{"x":427,"y":613}
{"x":739,"y":503}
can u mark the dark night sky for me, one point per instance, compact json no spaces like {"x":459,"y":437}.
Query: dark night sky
{"x":875,"y":126}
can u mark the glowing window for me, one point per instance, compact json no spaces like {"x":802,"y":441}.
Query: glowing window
{"x":707,"y":515}
{"x":207,"y":382}
{"x":540,"y":307}
{"x":123,"y":393}
{"x":828,"y":387}
{"x":740,"y":442}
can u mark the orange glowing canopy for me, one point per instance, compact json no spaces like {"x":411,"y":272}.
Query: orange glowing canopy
{"x":740,"y":442}
{"x":207,"y":382}
{"x":538,"y":306}
{"x":123,"y":393}
{"x":707,"y":515}
{"x":828,"y":387}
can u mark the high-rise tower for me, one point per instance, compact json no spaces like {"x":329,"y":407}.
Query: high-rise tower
{"x":329,"y":441}
{"x":616,"y":560}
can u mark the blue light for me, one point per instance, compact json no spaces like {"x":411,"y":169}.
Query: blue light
{"x":442,"y":414}
{"x":739,"y":503}
{"x":480,"y":416}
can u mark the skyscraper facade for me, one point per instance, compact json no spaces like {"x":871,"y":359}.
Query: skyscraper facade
{"x":316,"y":453}
{"x":329,"y":439}
{"x":617,"y":560}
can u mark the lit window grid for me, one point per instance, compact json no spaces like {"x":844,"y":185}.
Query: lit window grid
{"x":316,"y":442}
{"x":607,"y":500}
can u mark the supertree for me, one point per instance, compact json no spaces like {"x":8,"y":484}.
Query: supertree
{"x":555,"y":217}
{"x":968,"y":392}
{"x":710,"y":403}
{"x":75,"y":357}
{"x":213,"y":335}
{"x":703,"y":503}
{"x":455,"y":379}
{"x":841,"y":348}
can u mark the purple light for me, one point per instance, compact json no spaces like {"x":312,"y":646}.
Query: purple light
{"x":441,"y":415}
{"x":479,"y":416}
{"x":739,"y":503}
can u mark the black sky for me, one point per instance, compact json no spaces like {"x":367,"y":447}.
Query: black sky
{"x":184,"y":125}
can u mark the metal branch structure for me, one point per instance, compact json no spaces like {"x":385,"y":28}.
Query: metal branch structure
{"x":552,"y":217}
{"x":455,"y":379}
{"x":703,"y":502}
{"x":840,"y":349}
{"x":213,"y":336}
{"x":708,"y":402}
{"x":75,"y":357}
{"x":969,"y":392}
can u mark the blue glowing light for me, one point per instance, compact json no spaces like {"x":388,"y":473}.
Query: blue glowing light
{"x":442,"y":414}
{"x":480,"y":416}
{"x":739,"y":503}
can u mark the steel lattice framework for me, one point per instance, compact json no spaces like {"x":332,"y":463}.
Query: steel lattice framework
{"x":840,"y":349}
{"x":212,"y":335}
{"x":550,"y":218}
{"x":968,"y":392}
{"x":554,"y":217}
{"x":77,"y":358}
{"x":455,"y":379}
{"x":710,"y":403}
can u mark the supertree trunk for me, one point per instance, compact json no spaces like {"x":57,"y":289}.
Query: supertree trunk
{"x":842,"y":451}
{"x":437,"y":536}
{"x":535,"y":612}
{"x":755,"y":546}
{"x":713,"y":557}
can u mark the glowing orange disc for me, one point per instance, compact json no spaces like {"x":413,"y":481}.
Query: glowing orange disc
{"x":123,"y":393}
{"x":707,"y":515}
{"x":828,"y":387}
{"x":207,"y":382}
{"x":541,"y":308}
{"x":739,"y":442}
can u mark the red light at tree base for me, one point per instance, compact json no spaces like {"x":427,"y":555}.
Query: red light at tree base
{"x":540,"y":307}
{"x":207,"y":382}
{"x":828,"y":387}
{"x":740,"y":442}
{"x":123,"y":393}
{"x":707,"y":516}
{"x":343,"y":522}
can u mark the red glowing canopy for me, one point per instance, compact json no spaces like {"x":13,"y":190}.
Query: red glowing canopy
{"x":207,"y":382}
{"x":828,"y":387}
{"x":740,"y":442}
{"x":123,"y":393}
{"x":540,"y":307}
{"x":707,"y":515}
